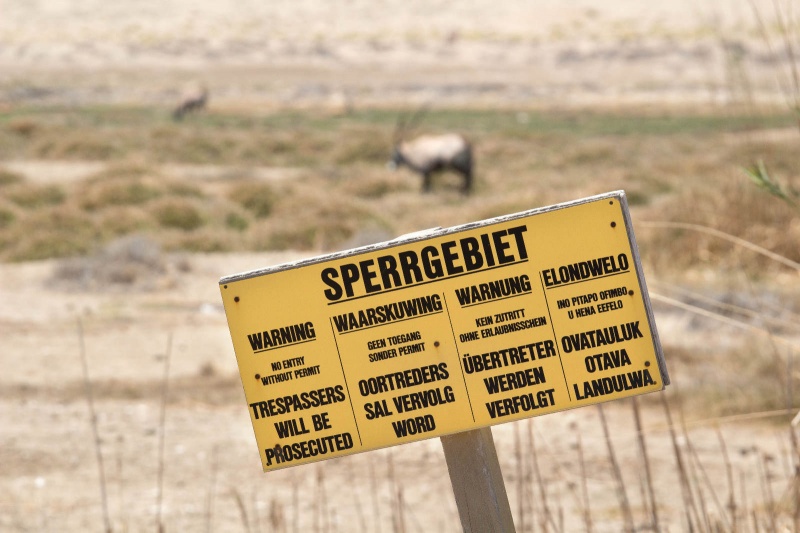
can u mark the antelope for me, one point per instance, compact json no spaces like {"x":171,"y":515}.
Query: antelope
{"x":428,"y":154}
{"x":194,"y":99}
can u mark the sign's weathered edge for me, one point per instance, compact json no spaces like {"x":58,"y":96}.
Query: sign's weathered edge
{"x":438,"y":232}
{"x":662,"y":365}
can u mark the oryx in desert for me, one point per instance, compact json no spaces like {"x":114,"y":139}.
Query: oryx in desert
{"x":427,"y":154}
{"x":192,"y":99}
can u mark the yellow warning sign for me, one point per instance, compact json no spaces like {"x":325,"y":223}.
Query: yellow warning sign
{"x":445,"y":331}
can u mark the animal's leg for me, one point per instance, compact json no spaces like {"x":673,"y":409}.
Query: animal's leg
{"x":467,"y":182}
{"x":426,"y":182}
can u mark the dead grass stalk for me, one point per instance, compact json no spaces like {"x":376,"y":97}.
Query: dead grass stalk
{"x":587,"y":510}
{"x":546,"y":517}
{"x":690,"y":508}
{"x":161,"y":435}
{"x":373,"y":484}
{"x":651,"y":497}
{"x":699,"y":467}
{"x":731,"y":506}
{"x":518,"y":457}
{"x":359,"y":509}
{"x":87,"y":383}
{"x":624,"y":503}
{"x":211,"y":490}
{"x":240,"y":505}
{"x":725,"y":236}
{"x":398,"y":511}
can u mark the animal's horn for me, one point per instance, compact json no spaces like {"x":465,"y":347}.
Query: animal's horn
{"x":399,"y":128}
{"x":421,"y":111}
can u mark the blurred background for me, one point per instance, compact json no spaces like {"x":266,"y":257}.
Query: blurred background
{"x":149,"y":148}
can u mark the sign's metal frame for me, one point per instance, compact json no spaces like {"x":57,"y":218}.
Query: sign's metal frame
{"x":229,"y":281}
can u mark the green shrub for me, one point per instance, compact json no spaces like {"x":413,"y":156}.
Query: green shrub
{"x":55,"y":232}
{"x":236,"y":222}
{"x":363,"y":147}
{"x":184,"y":189}
{"x":178,"y":214}
{"x":204,"y":241}
{"x":118,"y":193}
{"x":6,"y":218}
{"x":258,"y":198}
{"x":36,"y":196}
{"x":294,"y":238}
{"x":8,"y":178}
{"x":123,"y":221}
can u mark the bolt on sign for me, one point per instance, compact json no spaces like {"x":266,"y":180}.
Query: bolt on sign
{"x":444,"y":331}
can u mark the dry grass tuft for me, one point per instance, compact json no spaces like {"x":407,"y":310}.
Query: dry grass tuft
{"x":90,"y":146}
{"x":706,"y":386}
{"x":206,"y":240}
{"x":736,"y":208}
{"x":321,"y":219}
{"x":364,"y":182}
{"x":258,"y":198}
{"x":236,"y":221}
{"x":8,"y":177}
{"x":361,"y":145}
{"x":6,"y":217}
{"x":124,"y":220}
{"x":23,"y":127}
{"x":30,"y":196}
{"x":51,"y":232}
{"x":121,"y":185}
{"x":178,"y":213}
